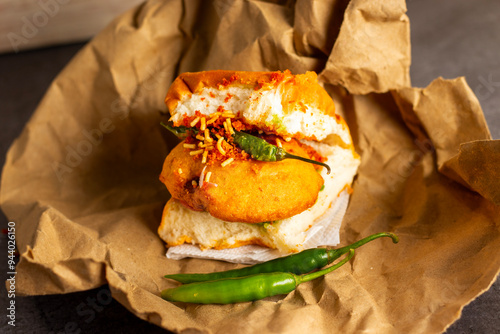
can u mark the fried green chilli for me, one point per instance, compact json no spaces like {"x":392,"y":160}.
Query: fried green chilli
{"x":299,"y":263}
{"x":244,"y":289}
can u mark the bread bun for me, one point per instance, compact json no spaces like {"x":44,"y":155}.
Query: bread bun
{"x":228,"y":192}
{"x":275,"y":102}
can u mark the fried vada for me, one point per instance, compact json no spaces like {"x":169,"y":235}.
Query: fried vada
{"x":226,"y":193}
{"x":247,"y":191}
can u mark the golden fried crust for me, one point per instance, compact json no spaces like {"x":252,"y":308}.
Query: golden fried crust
{"x":247,"y":191}
{"x":298,"y":91}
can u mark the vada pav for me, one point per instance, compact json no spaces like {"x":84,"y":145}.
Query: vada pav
{"x":263,"y":158}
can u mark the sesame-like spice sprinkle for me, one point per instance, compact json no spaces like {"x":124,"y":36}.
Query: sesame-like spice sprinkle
{"x":207,"y":136}
{"x":194,"y":122}
{"x":287,"y":139}
{"x":196,"y":152}
{"x":219,"y":146}
{"x":207,"y":177}
{"x":278,"y":142}
{"x":227,"y":162}
{"x":202,"y":176}
{"x":204,"y":158}
{"x":194,"y":183}
{"x":203,"y":125}
{"x":179,"y":171}
{"x":189,"y":145}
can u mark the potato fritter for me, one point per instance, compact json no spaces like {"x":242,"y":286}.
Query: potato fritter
{"x":247,"y":191}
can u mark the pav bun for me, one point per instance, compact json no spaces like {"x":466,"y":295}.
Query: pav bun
{"x":275,"y":102}
{"x":224,"y":194}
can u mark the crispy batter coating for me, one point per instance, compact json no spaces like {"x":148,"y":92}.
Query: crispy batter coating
{"x":247,"y":191}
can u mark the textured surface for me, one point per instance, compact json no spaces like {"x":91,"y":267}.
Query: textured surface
{"x":27,"y":24}
{"x":461,"y":38}
{"x":455,"y":38}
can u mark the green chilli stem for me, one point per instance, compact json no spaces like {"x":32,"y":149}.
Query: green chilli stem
{"x":335,"y":253}
{"x":296,"y":157}
{"x":181,"y":132}
{"x":319,"y":273}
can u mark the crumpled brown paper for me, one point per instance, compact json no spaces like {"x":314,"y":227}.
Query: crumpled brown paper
{"x":81,"y":182}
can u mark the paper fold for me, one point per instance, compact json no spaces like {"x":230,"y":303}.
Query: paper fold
{"x":81,"y":182}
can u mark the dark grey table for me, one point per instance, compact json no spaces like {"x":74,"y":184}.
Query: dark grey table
{"x":450,"y":38}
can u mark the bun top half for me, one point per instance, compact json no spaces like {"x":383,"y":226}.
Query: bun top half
{"x":290,"y":106}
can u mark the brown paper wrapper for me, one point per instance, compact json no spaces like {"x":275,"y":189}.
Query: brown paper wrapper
{"x":81,"y":181}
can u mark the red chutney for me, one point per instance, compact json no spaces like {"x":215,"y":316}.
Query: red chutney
{"x":232,"y":79}
{"x":231,"y":152}
{"x":228,"y":97}
{"x":186,"y":120}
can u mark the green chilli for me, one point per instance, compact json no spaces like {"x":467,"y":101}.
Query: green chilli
{"x":258,"y":148}
{"x":261,"y":150}
{"x":244,"y":289}
{"x":299,"y":263}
